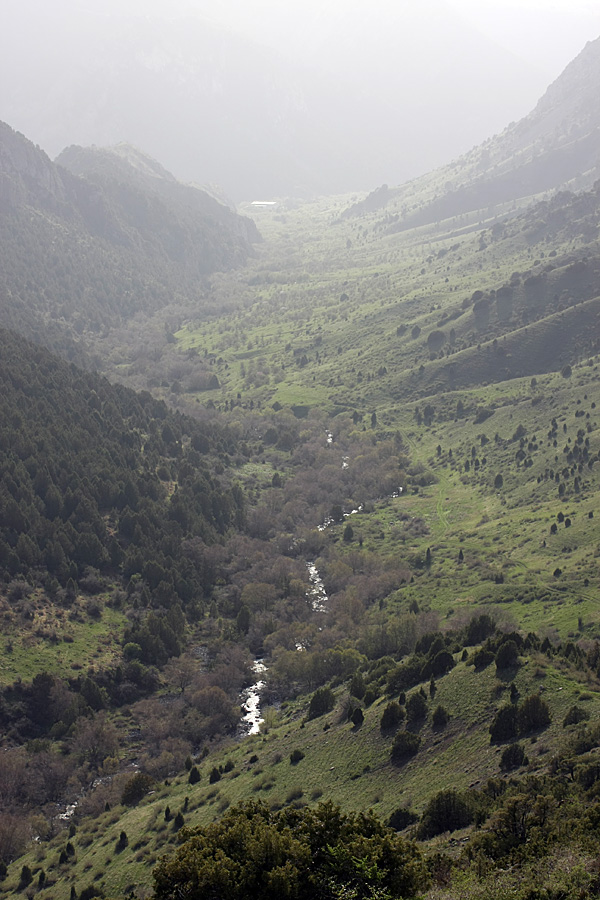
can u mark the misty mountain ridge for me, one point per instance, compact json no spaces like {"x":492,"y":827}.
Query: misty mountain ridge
{"x":124,"y":169}
{"x":102,"y":236}
{"x":351,"y":104}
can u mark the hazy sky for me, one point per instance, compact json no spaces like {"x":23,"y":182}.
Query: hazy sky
{"x":548,"y":33}
{"x":389,"y":88}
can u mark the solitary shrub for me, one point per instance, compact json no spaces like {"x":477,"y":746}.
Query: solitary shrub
{"x":358,"y":717}
{"x":406,"y":744}
{"x":90,"y":892}
{"x":446,"y":811}
{"x":482,"y":659}
{"x":178,"y":821}
{"x":371,"y":695}
{"x":575,"y":715}
{"x":507,"y":655}
{"x":440,"y":664}
{"x":122,"y":842}
{"x":512,"y":757}
{"x":136,"y":788}
{"x":436,"y":340}
{"x":321,"y":702}
{"x":533,"y":714}
{"x":440,"y":718}
{"x":214,"y":776}
{"x":504,"y":727}
{"x":416,"y":708}
{"x":296,"y":756}
{"x":194,"y":776}
{"x":392,"y":716}
{"x":401,"y":818}
{"x":357,"y":686}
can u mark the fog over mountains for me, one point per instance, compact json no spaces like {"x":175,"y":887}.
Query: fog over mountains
{"x":346,"y":99}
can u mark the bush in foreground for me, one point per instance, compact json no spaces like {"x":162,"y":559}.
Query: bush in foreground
{"x":253,"y":852}
{"x":446,"y":811}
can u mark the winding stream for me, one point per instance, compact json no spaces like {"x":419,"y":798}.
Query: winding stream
{"x":250,"y":697}
{"x":317,"y":597}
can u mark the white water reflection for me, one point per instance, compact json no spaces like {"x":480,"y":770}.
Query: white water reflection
{"x":69,"y":812}
{"x":328,"y":521}
{"x":252,"y":718}
{"x":316,"y":594}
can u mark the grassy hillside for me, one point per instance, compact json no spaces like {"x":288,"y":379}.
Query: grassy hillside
{"x":348,"y":764}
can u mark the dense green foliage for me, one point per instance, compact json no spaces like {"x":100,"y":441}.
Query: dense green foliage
{"x":85,"y":468}
{"x":256,"y":853}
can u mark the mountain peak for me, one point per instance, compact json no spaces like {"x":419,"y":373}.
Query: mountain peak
{"x":120,"y":159}
{"x":572,"y":98}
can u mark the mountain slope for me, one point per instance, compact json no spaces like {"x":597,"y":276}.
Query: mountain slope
{"x":79,"y":456}
{"x":81,"y":251}
{"x":556,"y":146}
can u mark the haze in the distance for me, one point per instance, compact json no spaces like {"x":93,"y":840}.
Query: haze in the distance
{"x":265,"y":98}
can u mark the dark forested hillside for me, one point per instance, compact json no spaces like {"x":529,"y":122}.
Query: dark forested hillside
{"x":96,"y":477}
{"x":81,"y":254}
{"x":159,"y":215}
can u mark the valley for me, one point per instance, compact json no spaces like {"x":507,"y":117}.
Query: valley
{"x":320,"y":539}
